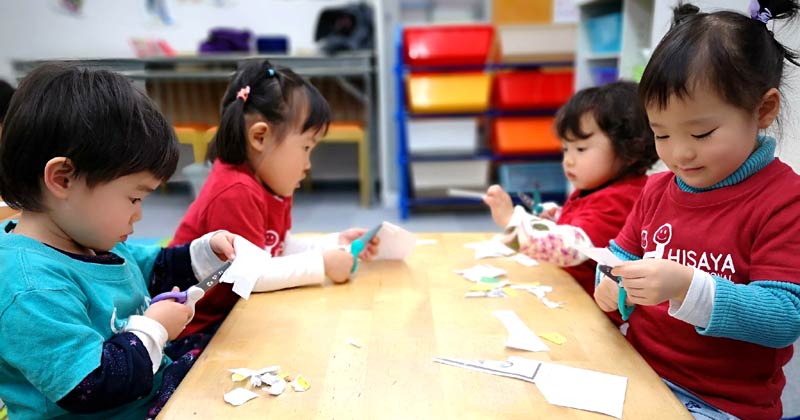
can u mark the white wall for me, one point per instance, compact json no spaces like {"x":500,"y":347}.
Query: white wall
{"x":39,"y":29}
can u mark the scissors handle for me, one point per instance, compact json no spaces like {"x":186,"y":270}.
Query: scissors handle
{"x":624,"y":309}
{"x":179,"y":297}
{"x":355,"y":248}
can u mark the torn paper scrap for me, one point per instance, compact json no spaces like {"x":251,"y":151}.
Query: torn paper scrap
{"x":476,"y":273}
{"x":554,"y":337}
{"x":396,"y":243}
{"x":519,"y":335}
{"x":582,"y":389}
{"x":493,"y":293}
{"x":239,"y":396}
{"x":524,"y":369}
{"x":489,"y":249}
{"x":300,"y":384}
{"x":423,"y":242}
{"x":525,"y":260}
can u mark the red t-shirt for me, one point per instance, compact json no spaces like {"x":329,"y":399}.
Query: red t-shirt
{"x":601,"y":215}
{"x":234,"y":200}
{"x":745,"y":232}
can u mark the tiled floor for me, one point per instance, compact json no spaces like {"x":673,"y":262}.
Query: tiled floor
{"x":317,"y":211}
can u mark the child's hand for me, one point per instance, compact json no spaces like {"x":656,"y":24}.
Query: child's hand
{"x":550,"y":214}
{"x":606,"y":294}
{"x":652,"y":281}
{"x":347,"y":237}
{"x":501,"y":205}
{"x":172,"y":315}
{"x":222,"y":245}
{"x":338,"y":264}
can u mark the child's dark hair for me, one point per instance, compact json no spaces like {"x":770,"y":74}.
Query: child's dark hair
{"x":618,"y":112}
{"x":6,"y":91}
{"x":736,"y":55}
{"x":276,"y":94}
{"x":95,"y":118}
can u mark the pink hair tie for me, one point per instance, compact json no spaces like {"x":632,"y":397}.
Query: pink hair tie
{"x":243,"y":93}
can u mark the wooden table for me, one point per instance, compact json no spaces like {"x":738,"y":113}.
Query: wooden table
{"x":404,"y":315}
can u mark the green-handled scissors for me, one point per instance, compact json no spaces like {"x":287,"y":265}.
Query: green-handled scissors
{"x":360,"y":244}
{"x":624,"y":309}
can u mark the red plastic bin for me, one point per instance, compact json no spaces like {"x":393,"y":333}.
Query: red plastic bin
{"x":533,"y":89}
{"x":450,"y":45}
{"x":514,"y":135}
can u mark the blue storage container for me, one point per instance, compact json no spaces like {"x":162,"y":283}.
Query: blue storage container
{"x":605,"y":33}
{"x":603,"y":75}
{"x":546,"y":177}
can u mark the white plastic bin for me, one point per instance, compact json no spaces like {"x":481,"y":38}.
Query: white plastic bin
{"x":438,"y":176}
{"x":441,"y":136}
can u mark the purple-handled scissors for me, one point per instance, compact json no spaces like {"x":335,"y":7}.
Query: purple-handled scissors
{"x":191,"y":295}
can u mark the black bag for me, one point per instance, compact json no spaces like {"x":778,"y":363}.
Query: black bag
{"x":345,"y":28}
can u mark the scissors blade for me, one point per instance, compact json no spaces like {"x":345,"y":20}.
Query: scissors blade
{"x":213,"y":279}
{"x":368,"y":235}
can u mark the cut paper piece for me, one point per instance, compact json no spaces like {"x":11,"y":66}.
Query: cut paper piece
{"x":525,"y":260}
{"x":489,"y":280}
{"x":300,"y":384}
{"x":353,"y":343}
{"x":509,"y":291}
{"x":583,"y":389}
{"x":602,"y":256}
{"x":540,"y":292}
{"x":245,"y":269}
{"x":519,"y":335}
{"x":483,"y":287}
{"x":423,"y":242}
{"x":476,"y":273}
{"x":396,"y":243}
{"x":489,"y":249}
{"x":524,"y":369}
{"x":240,"y":374}
{"x":493,"y":293}
{"x":550,"y":304}
{"x":277,"y":388}
{"x":560,"y":385}
{"x":239,"y":396}
{"x":554,"y":337}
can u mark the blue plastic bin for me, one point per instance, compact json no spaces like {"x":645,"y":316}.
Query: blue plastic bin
{"x":547,"y":177}
{"x":603,"y":75}
{"x":605,"y":33}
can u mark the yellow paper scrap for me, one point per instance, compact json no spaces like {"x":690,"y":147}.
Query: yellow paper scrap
{"x":300,"y":384}
{"x":554,"y":337}
{"x":510,"y":292}
{"x":482,"y":287}
{"x":236,"y":377}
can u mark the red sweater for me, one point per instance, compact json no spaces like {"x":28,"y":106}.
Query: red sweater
{"x":744,"y":232}
{"x":234,"y":200}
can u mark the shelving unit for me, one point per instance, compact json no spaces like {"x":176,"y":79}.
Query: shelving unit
{"x":424,"y":175}
{"x":627,"y":25}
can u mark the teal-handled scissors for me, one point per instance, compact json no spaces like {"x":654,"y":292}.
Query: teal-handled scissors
{"x":532,"y":202}
{"x":360,"y":244}
{"x":624,"y":309}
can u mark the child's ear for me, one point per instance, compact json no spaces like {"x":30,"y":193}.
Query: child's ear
{"x":768,"y":110}
{"x":59,"y":176}
{"x":257,"y":135}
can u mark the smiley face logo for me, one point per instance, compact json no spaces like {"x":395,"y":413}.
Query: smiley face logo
{"x":271,"y":239}
{"x":663,"y":234}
